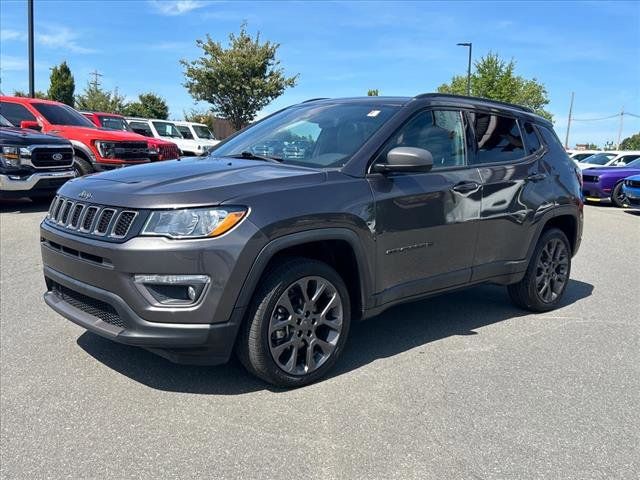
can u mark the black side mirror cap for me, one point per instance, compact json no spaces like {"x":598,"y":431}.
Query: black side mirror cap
{"x":406,"y":159}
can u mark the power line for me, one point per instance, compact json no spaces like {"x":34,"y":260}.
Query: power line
{"x":604,"y":118}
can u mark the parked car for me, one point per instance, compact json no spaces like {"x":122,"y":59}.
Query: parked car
{"x":167,"y":130}
{"x":94,"y":149}
{"x":402,"y":198}
{"x":606,"y":159}
{"x":631,"y":190}
{"x":580,"y":155}
{"x":605,"y":183}
{"x":199,"y":132}
{"x":158,"y":149}
{"x":32,"y":164}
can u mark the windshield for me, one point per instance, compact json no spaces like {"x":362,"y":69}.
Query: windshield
{"x":321,"y":136}
{"x":598,"y":159}
{"x":186,"y":133}
{"x":62,"y":115}
{"x":114,"y":123}
{"x":167,"y":129}
{"x":4,"y":122}
{"x":203,"y":132}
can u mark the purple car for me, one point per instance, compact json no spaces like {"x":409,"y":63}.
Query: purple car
{"x":606,"y":182}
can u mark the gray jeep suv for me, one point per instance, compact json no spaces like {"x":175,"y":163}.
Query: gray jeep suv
{"x":391,"y":200}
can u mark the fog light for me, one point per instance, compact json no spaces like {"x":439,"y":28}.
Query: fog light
{"x":172,"y":290}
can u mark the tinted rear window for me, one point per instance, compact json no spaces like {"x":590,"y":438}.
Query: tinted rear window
{"x":498,"y":138}
{"x":531,"y":140}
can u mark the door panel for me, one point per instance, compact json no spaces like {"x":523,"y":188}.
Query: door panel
{"x":512,"y":195}
{"x":425,"y":231}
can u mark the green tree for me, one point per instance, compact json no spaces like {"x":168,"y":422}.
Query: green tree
{"x":373,"y":92}
{"x":62,"y":85}
{"x":592,"y":146}
{"x":149,"y":105}
{"x":198,"y":116}
{"x":96,"y":99}
{"x":631,"y":143}
{"x":38,"y":94}
{"x":239,"y":80}
{"x":495,"y":79}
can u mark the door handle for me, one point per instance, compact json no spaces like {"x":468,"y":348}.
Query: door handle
{"x":464,"y":187}
{"x":536,"y":177}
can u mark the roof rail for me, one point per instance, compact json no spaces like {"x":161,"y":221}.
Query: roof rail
{"x":466,"y":97}
{"x":314,"y":99}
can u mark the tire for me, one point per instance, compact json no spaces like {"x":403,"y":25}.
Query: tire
{"x":273,"y":342}
{"x":618,"y":198}
{"x":82,"y":167}
{"x":530,"y":293}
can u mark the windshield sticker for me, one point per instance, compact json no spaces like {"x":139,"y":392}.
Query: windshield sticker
{"x":373,"y":113}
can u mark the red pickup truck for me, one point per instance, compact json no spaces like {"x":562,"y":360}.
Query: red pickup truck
{"x":95,"y":149}
{"x":159,"y":149}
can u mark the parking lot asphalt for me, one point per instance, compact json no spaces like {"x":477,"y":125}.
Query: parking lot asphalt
{"x":459,"y":386}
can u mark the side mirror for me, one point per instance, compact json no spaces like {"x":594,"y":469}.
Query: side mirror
{"x":406,"y":159}
{"x":30,"y":124}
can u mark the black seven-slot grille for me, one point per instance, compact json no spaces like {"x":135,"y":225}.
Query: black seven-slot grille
{"x":91,"y":219}
{"x":92,"y":306}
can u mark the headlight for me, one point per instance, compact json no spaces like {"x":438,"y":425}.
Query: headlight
{"x":106,"y":149}
{"x":194,"y":222}
{"x":10,"y":156}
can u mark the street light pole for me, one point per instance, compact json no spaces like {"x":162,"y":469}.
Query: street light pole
{"x":32,"y":90}
{"x":470,"y":45}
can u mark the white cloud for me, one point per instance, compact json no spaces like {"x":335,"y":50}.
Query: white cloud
{"x":175,"y":7}
{"x":9,"y":63}
{"x":6,"y":34}
{"x":63,"y":38}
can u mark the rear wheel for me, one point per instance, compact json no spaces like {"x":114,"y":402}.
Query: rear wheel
{"x":82,"y":167}
{"x":547,"y":275}
{"x":618,"y":197}
{"x":297,"y":325}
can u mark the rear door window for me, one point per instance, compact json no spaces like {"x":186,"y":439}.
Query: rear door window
{"x":531,"y":140}
{"x":498,"y":138}
{"x":16,"y":113}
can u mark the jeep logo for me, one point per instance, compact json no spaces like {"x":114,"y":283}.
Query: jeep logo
{"x":57,"y":156}
{"x":85,"y":195}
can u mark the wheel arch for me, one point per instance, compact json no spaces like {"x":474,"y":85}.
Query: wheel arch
{"x":81,"y":150}
{"x":338,"y":247}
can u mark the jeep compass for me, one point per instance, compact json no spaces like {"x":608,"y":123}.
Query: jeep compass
{"x":271,"y":255}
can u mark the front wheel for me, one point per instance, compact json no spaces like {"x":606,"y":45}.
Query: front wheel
{"x":618,"y":197}
{"x":547,"y":275}
{"x":82,"y":167}
{"x":297,"y":324}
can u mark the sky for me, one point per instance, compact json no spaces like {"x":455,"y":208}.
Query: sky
{"x":344,"y":48}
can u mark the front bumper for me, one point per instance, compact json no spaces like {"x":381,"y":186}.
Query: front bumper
{"x":632,"y":194}
{"x":595,"y":191}
{"x":38,"y":181}
{"x":90,"y":282}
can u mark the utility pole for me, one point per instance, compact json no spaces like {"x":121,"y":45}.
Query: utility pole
{"x":620,"y":128}
{"x":566,"y":138}
{"x":96,"y":82}
{"x":32,"y":89}
{"x":470,"y":45}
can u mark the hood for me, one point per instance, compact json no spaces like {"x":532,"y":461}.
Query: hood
{"x":619,"y":172}
{"x":25,"y":137}
{"x":189,"y":182}
{"x":89,"y":133}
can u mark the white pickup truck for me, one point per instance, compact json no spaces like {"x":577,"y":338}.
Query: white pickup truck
{"x":167,"y":130}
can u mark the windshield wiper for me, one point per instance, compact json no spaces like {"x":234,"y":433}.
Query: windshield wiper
{"x":252,"y":156}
